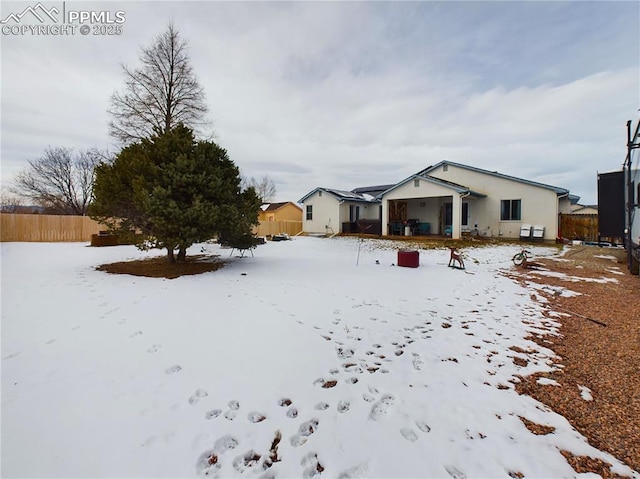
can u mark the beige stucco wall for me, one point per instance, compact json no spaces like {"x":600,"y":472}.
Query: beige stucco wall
{"x":326,"y":212}
{"x":539,"y":205}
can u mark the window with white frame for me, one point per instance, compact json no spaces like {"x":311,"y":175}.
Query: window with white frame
{"x":416,"y":183}
{"x":309,"y":212}
{"x":510,"y":210}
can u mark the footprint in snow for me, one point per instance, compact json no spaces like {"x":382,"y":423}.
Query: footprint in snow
{"x":137,"y":333}
{"x":381,"y":408}
{"x":255,"y":417}
{"x":285,"y":402}
{"x":312,"y":466}
{"x":154,"y":348}
{"x":214,"y":413}
{"x":343,"y":406}
{"x":305,"y":430}
{"x":234,"y":405}
{"x":344,"y":353}
{"x":196,"y":396}
{"x":292,"y":412}
{"x":357,"y":472}
{"x":209,"y":461}
{"x":417,"y":361}
{"x":455,"y":472}
{"x":173,"y":369}
{"x":246,"y":461}
{"x":321,"y":406}
{"x":409,"y":434}
{"x":423,"y":426}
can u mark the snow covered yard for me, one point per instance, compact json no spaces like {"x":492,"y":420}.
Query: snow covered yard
{"x":367,"y":370}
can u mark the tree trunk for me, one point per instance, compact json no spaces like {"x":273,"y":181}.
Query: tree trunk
{"x":170,"y":256}
{"x":182,"y":254}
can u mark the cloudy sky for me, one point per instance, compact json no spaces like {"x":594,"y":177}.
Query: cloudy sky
{"x":348,"y":94}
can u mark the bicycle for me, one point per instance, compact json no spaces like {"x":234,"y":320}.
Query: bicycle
{"x":521,"y":257}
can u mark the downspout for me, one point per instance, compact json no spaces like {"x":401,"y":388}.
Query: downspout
{"x":559,"y":235}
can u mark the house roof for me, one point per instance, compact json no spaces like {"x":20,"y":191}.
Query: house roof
{"x":372,"y":190}
{"x":558,"y":191}
{"x":277,"y":206}
{"x":432,"y":179}
{"x":342,"y":195}
{"x":374,"y":194}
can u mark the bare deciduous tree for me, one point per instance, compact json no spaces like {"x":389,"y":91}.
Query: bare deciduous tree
{"x":60,"y":180}
{"x":160,"y":94}
{"x":265,"y":187}
{"x":9,"y":203}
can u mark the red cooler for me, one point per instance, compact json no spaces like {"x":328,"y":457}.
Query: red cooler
{"x":408,"y":258}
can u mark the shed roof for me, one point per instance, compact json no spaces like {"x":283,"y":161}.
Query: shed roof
{"x":277,"y":206}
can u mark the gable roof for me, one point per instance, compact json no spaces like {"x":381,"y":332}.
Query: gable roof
{"x":342,"y":195}
{"x":557,"y":190}
{"x":437,"y":181}
{"x":372,"y":190}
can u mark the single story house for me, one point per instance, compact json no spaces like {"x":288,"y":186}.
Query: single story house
{"x":285,"y":211}
{"x":444,"y":199}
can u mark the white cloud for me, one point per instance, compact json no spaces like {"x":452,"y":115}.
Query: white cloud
{"x":344,"y":94}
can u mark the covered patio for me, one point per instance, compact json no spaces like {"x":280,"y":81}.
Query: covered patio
{"x":428,"y":206}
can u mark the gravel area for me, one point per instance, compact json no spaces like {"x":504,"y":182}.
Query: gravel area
{"x":598,"y":348}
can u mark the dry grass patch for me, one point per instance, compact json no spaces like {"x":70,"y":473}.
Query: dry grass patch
{"x":159,"y":267}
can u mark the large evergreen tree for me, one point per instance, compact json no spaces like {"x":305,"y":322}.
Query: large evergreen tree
{"x":176,"y":191}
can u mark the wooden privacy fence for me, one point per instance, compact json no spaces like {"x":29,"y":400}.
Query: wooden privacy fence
{"x":270,"y":228}
{"x":47,"y":228}
{"x":582,"y":227}
{"x":52,"y":228}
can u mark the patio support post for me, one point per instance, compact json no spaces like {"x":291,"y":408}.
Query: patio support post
{"x":384,"y":220}
{"x":456,"y":216}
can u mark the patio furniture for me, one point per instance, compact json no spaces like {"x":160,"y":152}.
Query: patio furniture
{"x":423,"y":228}
{"x":395,"y":228}
{"x":525,"y":231}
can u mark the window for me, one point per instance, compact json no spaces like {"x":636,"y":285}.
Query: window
{"x":510,"y":210}
{"x":465,"y":214}
{"x":416,"y":183}
{"x":320,"y":193}
{"x":445,"y":167}
{"x":309,"y":212}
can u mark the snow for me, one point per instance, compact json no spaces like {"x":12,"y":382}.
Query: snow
{"x":121,"y":376}
{"x":585,"y":393}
